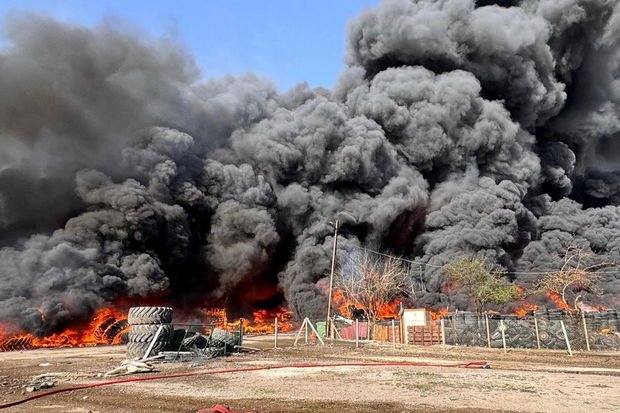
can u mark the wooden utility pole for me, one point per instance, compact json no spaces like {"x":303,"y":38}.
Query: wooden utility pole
{"x":331,"y":280}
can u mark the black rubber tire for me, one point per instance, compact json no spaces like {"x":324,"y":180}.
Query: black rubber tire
{"x":144,"y":333}
{"x":137,"y":350}
{"x":16,"y":343}
{"x":212,"y":352}
{"x":149,"y":315}
{"x":223,"y":338}
{"x":197,"y":341}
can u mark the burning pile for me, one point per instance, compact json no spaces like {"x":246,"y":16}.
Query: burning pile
{"x":108,"y":326}
{"x":459,"y":127}
{"x":261,"y":322}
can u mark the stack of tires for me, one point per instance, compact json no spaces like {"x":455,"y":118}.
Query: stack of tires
{"x":144,"y":322}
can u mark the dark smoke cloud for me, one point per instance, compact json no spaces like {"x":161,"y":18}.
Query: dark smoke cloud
{"x":482,"y":128}
{"x":505,"y":48}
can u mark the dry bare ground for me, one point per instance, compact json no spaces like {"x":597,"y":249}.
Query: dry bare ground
{"x":520,"y":381}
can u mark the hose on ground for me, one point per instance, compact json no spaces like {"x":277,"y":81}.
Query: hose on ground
{"x":470,"y":365}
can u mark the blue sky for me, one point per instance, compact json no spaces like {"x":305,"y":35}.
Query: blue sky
{"x":285,"y":41}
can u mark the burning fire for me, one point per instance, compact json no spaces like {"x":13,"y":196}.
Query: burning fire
{"x":262,"y":322}
{"x":557,"y":300}
{"x":348,"y":308}
{"x":106,"y":327}
{"x":436,"y":315}
{"x":523,"y":311}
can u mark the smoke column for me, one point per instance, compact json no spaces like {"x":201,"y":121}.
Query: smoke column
{"x":458,"y":128}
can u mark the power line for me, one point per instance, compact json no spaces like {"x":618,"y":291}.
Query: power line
{"x":424,"y":264}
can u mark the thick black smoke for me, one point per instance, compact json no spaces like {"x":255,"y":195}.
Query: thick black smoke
{"x":458,"y":128}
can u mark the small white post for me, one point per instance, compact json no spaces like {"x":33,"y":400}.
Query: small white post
{"x":357,"y":333}
{"x":443,"y":333}
{"x":275,"y":335}
{"x":503,"y":329}
{"x":486,"y":321}
{"x":299,"y":332}
{"x":393,"y":334}
{"x":307,"y":321}
{"x":585,"y":330}
{"x":537,"y":332}
{"x":335,"y":330}
{"x":570,"y":351}
{"x":315,"y":332}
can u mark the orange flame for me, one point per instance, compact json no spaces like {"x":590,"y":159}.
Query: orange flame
{"x":106,"y":327}
{"x":436,"y":315}
{"x":390,"y":310}
{"x":525,"y":309}
{"x":557,"y":300}
{"x":347,"y":308}
{"x":262,"y":322}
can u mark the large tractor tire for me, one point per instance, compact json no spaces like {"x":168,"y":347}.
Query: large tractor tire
{"x":212,"y":352}
{"x":223,"y":338}
{"x":144,"y":333}
{"x":150,"y":315}
{"x":137,"y":350}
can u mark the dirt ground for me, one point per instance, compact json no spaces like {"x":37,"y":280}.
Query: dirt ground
{"x":519,"y":381}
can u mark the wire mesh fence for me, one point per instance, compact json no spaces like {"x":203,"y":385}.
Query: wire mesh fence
{"x":548,"y":329}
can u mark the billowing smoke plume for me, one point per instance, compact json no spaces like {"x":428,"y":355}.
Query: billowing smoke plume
{"x":458,"y":128}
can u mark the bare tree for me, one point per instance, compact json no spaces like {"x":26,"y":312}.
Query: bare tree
{"x":577,"y":274}
{"x":370,"y":281}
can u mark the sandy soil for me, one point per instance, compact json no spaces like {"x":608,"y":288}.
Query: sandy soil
{"x":519,"y":381}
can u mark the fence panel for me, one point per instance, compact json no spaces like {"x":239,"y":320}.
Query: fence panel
{"x":598,"y":330}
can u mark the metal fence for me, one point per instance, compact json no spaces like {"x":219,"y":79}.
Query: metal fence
{"x":548,"y":329}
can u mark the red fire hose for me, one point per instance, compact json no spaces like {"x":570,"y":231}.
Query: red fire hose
{"x":470,"y":365}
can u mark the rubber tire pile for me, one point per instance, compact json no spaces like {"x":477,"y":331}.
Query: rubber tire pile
{"x":144,"y":322}
{"x":218,"y":343}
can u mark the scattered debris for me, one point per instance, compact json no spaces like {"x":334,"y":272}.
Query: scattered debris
{"x":130,"y":367}
{"x":181,"y":356}
{"x":41,"y":382}
{"x":246,"y":348}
